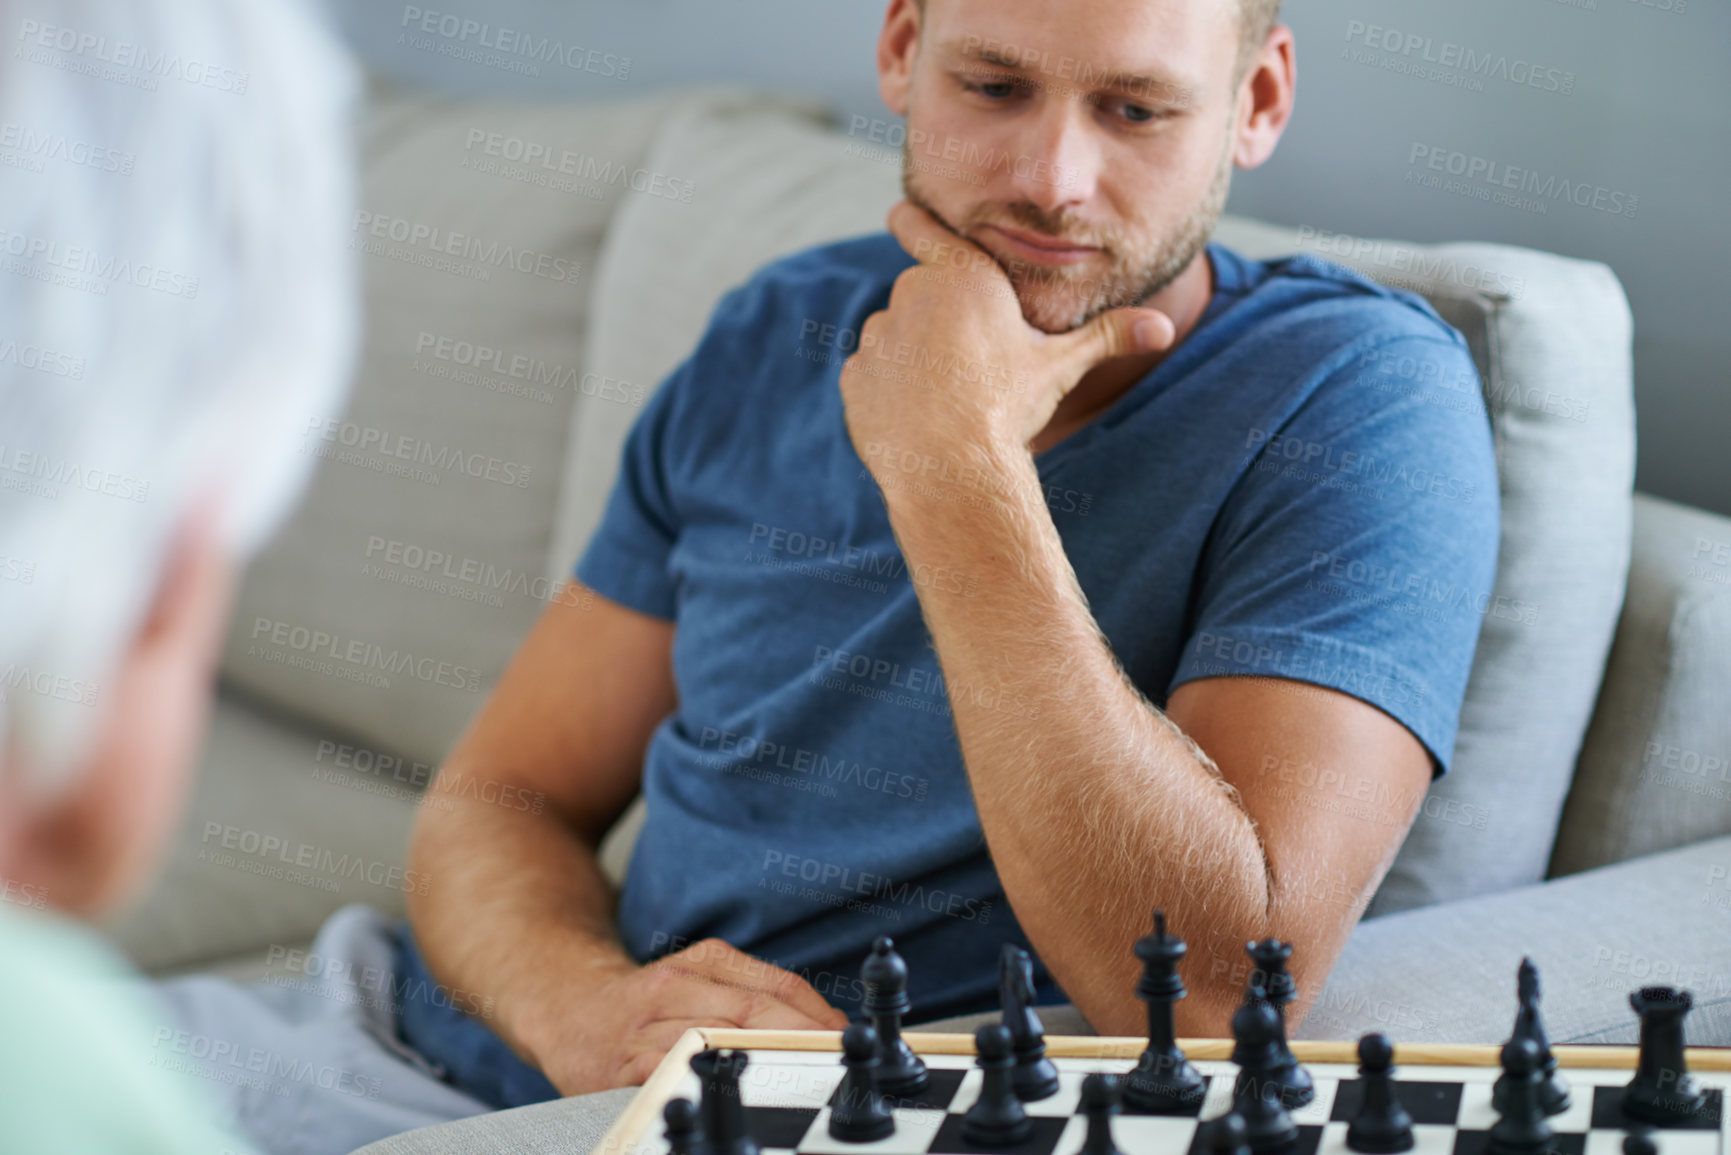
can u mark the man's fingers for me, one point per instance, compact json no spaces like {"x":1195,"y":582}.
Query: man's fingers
{"x":725,"y":964}
{"x":931,"y":242}
{"x":1119,"y":333}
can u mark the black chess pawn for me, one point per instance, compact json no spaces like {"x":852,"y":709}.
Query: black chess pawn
{"x":1554,"y":1091}
{"x":1522,"y":1128}
{"x":1256,"y":1096}
{"x":682,"y":1132}
{"x":859,"y":1114}
{"x":1639,"y":1141}
{"x":1663,"y":1090}
{"x":1099,"y":1104}
{"x":1382,"y":1126}
{"x":724,"y":1127}
{"x":996,"y":1119}
{"x":884,"y":976}
{"x":1034,"y":1076}
{"x":1226,"y":1135}
{"x":1163,"y":1079}
{"x":1271,"y":956}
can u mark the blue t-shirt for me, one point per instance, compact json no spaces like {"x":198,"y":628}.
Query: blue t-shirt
{"x":1305,"y":488}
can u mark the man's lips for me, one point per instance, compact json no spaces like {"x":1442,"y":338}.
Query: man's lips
{"x":1043,"y":249}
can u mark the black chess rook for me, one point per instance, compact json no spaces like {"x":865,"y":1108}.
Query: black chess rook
{"x":1663,"y":1090}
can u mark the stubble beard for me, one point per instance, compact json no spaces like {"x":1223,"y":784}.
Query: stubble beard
{"x":1056,"y":299}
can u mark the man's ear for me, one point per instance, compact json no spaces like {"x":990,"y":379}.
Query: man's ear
{"x":92,"y":845}
{"x":1265,"y":99}
{"x":898,"y":45}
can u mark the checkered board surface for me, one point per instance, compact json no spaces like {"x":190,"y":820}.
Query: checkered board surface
{"x":787,"y":1096}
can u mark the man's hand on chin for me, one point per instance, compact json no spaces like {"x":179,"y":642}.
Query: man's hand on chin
{"x":952,"y":368}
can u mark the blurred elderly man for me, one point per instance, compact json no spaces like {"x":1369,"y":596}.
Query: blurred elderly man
{"x":174,"y":301}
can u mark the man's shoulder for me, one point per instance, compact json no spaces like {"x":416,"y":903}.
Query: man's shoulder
{"x":1325,"y":301}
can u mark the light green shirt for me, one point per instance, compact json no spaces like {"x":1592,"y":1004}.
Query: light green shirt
{"x":82,"y":1071}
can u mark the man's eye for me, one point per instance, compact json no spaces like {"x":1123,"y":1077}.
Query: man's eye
{"x":994,"y":89}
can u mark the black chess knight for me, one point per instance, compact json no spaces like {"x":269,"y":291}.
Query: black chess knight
{"x":1034,"y":1076}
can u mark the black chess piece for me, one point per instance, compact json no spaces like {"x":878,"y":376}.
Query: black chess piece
{"x":1639,"y":1141}
{"x":1163,"y":1079}
{"x":996,"y":1119}
{"x":1382,"y":1126}
{"x":1257,"y":1094}
{"x":1034,"y":1076}
{"x":683,"y":1136}
{"x":1270,"y":956}
{"x":1226,"y":1135}
{"x":1554,"y":1091}
{"x":1663,"y":1090}
{"x":901,"y":1073}
{"x":1099,"y":1104}
{"x":1522,"y":1127}
{"x":859,"y":1114}
{"x":724,"y":1129}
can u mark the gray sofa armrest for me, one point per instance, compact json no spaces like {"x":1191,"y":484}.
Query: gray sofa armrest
{"x":1655,"y":768}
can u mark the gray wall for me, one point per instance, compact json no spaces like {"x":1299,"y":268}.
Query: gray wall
{"x":1631,"y":102}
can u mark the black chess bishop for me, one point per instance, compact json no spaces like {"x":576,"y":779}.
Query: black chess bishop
{"x":1163,"y":1078}
{"x":1553,"y":1091}
{"x":901,"y":1073}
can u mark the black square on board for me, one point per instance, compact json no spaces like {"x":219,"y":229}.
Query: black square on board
{"x":778,"y":1126}
{"x":1479,"y":1143}
{"x":1426,"y":1102}
{"x":1176,"y":1111}
{"x":1608,"y":1112}
{"x":1309,"y":1139}
{"x":940,"y":1090}
{"x":1040,"y":1141}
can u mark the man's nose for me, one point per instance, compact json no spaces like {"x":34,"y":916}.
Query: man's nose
{"x":1059,"y":159}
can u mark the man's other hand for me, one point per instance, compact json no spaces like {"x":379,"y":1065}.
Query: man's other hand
{"x":616,"y":1032}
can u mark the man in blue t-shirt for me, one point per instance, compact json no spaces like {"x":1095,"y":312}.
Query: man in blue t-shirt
{"x":995,"y":579}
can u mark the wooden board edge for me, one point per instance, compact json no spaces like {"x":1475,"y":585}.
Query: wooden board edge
{"x":644,"y":1109}
{"x":1307,"y":1051}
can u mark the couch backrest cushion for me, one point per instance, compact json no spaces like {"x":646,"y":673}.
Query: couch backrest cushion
{"x":1551,"y":338}
{"x":390,"y":602}
{"x":1656,"y":770}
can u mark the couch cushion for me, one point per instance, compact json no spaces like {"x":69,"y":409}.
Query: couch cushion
{"x":1551,"y":338}
{"x":1656,"y":770}
{"x":392,"y":599}
{"x":286,"y":824}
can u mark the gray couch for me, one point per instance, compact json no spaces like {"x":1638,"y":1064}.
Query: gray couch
{"x":533,"y":272}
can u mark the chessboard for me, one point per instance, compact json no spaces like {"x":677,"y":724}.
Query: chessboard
{"x":791,"y":1079}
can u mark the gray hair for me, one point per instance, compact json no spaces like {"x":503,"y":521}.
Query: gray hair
{"x":176,"y":304}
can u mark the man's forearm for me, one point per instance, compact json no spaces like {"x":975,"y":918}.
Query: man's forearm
{"x":516,"y":907}
{"x":1094,"y":805}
